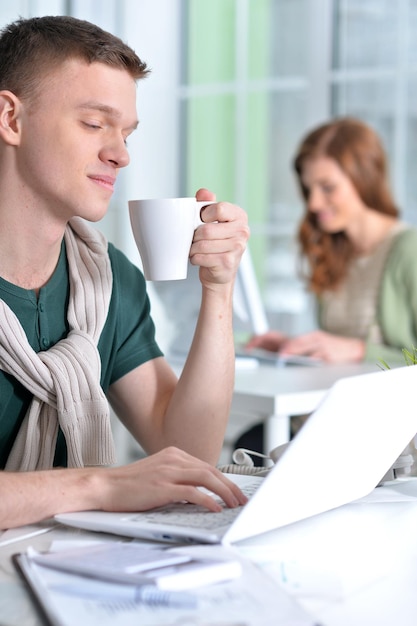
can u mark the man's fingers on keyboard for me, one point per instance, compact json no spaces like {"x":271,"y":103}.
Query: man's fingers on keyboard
{"x":220,"y":485}
{"x":241,"y":497}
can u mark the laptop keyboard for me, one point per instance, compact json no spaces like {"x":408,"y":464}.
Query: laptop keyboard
{"x":194,"y":515}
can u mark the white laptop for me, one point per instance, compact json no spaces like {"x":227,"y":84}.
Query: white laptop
{"x":361,"y":427}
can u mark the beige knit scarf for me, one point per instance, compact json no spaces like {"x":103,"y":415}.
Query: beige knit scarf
{"x":65,"y":380}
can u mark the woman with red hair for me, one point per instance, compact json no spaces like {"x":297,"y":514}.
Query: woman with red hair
{"x":360,"y":257}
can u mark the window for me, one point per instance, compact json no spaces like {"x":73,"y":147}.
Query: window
{"x":262,"y":72}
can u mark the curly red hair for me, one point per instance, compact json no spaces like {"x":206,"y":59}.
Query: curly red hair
{"x":359,"y":153}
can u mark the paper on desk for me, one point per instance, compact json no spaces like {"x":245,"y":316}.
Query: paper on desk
{"x":132,"y":564}
{"x":333,"y":555}
{"x":251,"y":600}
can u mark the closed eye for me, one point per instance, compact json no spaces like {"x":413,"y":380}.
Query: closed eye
{"x":94,"y":126}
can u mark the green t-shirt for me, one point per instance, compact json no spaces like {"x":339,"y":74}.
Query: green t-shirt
{"x":127,"y":339}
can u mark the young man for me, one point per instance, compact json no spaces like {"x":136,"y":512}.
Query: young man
{"x":75,"y":328}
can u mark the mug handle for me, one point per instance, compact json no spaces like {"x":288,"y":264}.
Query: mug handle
{"x":200,"y":204}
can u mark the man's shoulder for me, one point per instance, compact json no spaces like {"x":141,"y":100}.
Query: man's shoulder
{"x":127,"y":277}
{"x":119,"y":259}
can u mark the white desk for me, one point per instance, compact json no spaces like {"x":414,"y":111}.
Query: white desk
{"x":354,"y":566}
{"x":272,"y":394}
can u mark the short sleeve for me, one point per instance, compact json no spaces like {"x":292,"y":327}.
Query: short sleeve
{"x":128,"y":337}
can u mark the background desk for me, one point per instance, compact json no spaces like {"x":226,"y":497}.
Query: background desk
{"x":266,"y":393}
{"x":272,"y":394}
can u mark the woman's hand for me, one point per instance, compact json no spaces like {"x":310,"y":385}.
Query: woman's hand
{"x":272,"y":341}
{"x":326,"y":347}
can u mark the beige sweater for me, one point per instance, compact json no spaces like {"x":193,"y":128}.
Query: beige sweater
{"x":65,"y":380}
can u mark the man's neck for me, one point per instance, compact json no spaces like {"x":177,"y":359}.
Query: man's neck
{"x":27,"y":259}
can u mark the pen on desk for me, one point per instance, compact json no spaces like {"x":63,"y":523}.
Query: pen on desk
{"x":13,"y":535}
{"x":146,"y":594}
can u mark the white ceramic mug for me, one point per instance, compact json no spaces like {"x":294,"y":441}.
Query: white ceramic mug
{"x":163,"y":230}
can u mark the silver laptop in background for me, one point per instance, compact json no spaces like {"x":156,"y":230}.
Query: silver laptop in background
{"x":347,"y":445}
{"x":267,"y":357}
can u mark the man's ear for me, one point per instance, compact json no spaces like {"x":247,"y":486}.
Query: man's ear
{"x":10,"y":110}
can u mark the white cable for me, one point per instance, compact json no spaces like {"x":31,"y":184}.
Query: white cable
{"x":241,"y":456}
{"x":277,"y":452}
